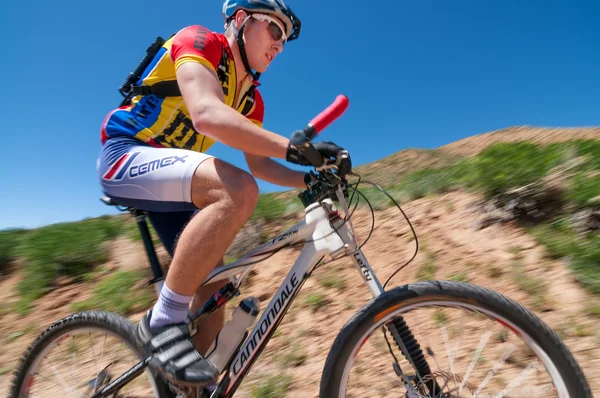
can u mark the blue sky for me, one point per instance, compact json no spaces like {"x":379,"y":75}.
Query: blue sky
{"x":418,"y":74}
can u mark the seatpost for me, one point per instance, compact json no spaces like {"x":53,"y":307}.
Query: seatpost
{"x":140,"y":218}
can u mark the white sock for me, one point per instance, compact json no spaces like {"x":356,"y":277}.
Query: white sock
{"x":171,"y":308}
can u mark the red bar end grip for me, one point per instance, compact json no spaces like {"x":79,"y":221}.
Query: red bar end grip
{"x":332,"y":112}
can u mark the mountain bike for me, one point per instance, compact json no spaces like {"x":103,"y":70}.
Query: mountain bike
{"x":404,"y":342}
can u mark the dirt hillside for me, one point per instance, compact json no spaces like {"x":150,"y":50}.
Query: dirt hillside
{"x":471,"y":146}
{"x":445,"y":229}
{"x":501,"y":257}
{"x":392,"y":168}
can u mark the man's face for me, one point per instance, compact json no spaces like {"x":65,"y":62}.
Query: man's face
{"x":263,"y":41}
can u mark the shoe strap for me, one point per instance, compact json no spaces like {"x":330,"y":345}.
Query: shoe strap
{"x":170,"y":335}
{"x":175,"y":351}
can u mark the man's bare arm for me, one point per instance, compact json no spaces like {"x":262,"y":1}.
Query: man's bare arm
{"x":269,"y":170}
{"x":203,"y":97}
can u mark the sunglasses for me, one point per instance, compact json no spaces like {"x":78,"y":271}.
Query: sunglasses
{"x":275,"y":28}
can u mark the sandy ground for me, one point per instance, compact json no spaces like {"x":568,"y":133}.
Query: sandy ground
{"x":448,"y":239}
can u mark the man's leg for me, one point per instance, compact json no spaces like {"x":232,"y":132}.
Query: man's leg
{"x":227,"y":196}
{"x":168,"y":227}
{"x":208,"y":327}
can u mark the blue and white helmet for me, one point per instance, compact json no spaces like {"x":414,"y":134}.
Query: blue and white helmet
{"x":276,"y":8}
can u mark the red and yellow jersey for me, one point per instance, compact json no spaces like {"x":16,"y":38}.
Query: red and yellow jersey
{"x":165,"y":121}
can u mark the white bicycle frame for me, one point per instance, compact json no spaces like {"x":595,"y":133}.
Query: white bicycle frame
{"x":324,"y":233}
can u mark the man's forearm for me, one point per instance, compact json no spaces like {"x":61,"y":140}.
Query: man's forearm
{"x":275,"y":173}
{"x":224,"y":124}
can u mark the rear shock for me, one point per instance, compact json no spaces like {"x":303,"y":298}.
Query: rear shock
{"x":415,"y":355}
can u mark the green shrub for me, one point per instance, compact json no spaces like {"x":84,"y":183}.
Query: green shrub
{"x":585,"y":264}
{"x":431,"y":181}
{"x":315,"y":301}
{"x":499,"y":168}
{"x":9,"y":243}
{"x":588,"y":149}
{"x":582,"y":189}
{"x":71,"y":249}
{"x":116,"y":293}
{"x":557,"y":237}
{"x":462,"y":276}
{"x":331,"y":280}
{"x":583,"y":251}
{"x":505,"y":166}
{"x":275,"y":386}
{"x":270,"y":208}
{"x":377,"y":199}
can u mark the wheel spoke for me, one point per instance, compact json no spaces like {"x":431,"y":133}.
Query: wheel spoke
{"x":80,"y":366}
{"x":93,"y":352}
{"x":95,"y":362}
{"x":59,"y":378}
{"x":482,"y":342}
{"x":533,"y":366}
{"x":74,"y":367}
{"x":495,"y":369}
{"x":103,"y":345}
{"x":449,"y":352}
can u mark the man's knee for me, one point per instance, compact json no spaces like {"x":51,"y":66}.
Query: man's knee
{"x":221,"y":182}
{"x":240,"y":192}
{"x":247,"y":195}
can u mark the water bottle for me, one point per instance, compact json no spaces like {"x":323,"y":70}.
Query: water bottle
{"x":232,"y":332}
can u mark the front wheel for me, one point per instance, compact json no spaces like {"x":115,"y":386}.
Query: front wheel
{"x":449,"y":339}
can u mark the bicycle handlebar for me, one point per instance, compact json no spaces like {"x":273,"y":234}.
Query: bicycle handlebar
{"x":314,"y":127}
{"x":327,"y":116}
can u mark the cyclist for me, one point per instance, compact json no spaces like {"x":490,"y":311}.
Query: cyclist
{"x":154,"y":158}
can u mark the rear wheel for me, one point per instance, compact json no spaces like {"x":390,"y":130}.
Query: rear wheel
{"x":471,"y":341}
{"x":80,"y":354}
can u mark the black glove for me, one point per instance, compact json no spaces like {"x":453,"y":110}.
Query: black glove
{"x":325,"y":149}
{"x":321,"y":154}
{"x":299,"y":144}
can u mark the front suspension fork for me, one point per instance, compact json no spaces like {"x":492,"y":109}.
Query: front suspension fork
{"x":411,"y":350}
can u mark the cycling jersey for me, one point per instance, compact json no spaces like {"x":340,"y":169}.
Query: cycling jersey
{"x":165,"y":121}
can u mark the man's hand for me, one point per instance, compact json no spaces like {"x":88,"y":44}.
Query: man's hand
{"x":322,"y":155}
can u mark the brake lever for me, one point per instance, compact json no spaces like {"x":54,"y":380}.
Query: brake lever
{"x":330,"y":177}
{"x":335,"y":164}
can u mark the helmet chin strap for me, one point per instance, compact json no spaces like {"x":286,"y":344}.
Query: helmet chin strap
{"x":240,"y":41}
